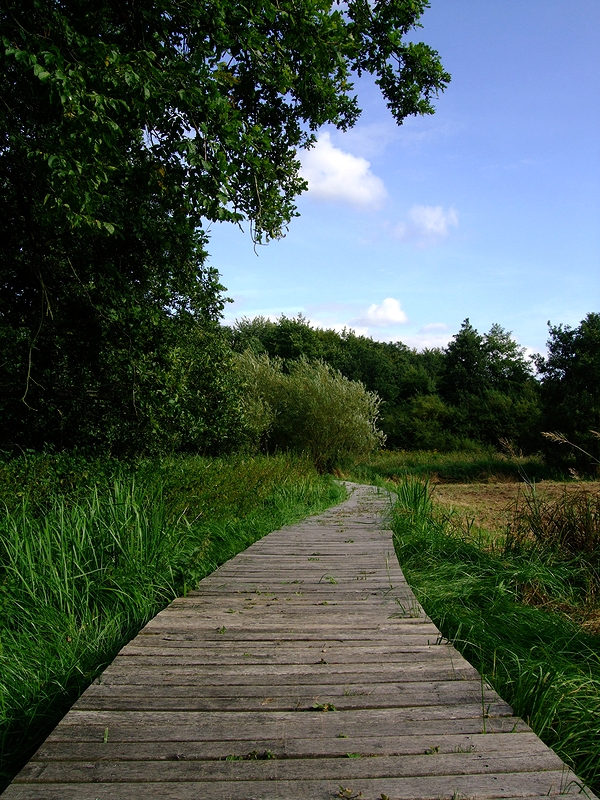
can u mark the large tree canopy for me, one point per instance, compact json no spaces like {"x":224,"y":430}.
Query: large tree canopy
{"x":124,"y":127}
{"x":213,"y":98}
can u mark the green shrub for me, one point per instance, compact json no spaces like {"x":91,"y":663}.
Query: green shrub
{"x":311,"y":409}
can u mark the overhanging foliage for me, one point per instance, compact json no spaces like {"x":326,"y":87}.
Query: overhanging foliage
{"x":124,"y":128}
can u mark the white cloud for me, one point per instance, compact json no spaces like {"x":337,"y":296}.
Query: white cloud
{"x":427,"y":224}
{"x":532,"y":351}
{"x":339,"y":327}
{"x":433,"y":326}
{"x":390,"y":312}
{"x":427,"y":340}
{"x":433,"y":220}
{"x":335,"y":175}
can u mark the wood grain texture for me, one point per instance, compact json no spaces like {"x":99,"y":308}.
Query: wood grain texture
{"x":302,"y":668}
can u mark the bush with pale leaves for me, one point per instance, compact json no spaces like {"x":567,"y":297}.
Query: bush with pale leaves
{"x":310,"y":408}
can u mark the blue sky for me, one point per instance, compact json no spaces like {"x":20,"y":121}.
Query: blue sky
{"x":490,"y":209}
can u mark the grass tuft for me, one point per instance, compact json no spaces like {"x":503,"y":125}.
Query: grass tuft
{"x":569,"y":524}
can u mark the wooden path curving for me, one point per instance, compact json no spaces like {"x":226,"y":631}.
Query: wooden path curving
{"x":302,"y":669}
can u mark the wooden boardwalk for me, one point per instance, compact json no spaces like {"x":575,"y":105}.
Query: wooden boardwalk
{"x":302,"y":669}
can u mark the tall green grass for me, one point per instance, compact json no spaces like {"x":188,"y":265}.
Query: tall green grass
{"x":89,"y":551}
{"x":538,"y":660}
{"x":482,"y":465}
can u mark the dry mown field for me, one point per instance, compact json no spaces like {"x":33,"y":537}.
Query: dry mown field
{"x":491,"y":505}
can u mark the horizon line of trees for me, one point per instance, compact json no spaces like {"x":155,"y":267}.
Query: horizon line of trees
{"x":481,"y":389}
{"x":270,"y":382}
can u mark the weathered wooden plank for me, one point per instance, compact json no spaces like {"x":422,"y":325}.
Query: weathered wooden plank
{"x":314,"y":655}
{"x":312,"y":575}
{"x":532,"y":785}
{"x":355,"y":592}
{"x":389,"y":625}
{"x":361,"y":605}
{"x":268,"y":590}
{"x":284,"y":560}
{"x":288,"y":553}
{"x":399,"y":691}
{"x":337,"y":618}
{"x":291,"y":674}
{"x":292,"y":698}
{"x":288,"y":622}
{"x":380,"y":717}
{"x":312,"y":567}
{"x":433,"y":744}
{"x":131,"y":726}
{"x":425,"y":650}
{"x":359,"y":600}
{"x":305,"y":633}
{"x":370,"y":587}
{"x":293,"y":702}
{"x":405,"y":640}
{"x":219,"y":640}
{"x":292,"y":769}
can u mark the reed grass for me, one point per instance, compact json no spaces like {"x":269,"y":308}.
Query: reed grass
{"x":90,"y":551}
{"x":569,"y":524}
{"x":480,"y":593}
{"x":476,"y":466}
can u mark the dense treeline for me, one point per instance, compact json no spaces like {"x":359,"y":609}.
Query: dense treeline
{"x":570,"y":383}
{"x":273,"y":386}
{"x":480,"y":389}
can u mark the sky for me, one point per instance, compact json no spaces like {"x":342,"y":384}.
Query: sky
{"x":489,"y":209}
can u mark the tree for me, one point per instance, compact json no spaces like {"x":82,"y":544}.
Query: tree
{"x":490,"y":383}
{"x":476,"y":364}
{"x":570,"y":375}
{"x":289,"y":338}
{"x":507,"y":366}
{"x":465,"y":365}
{"x":124,"y":128}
